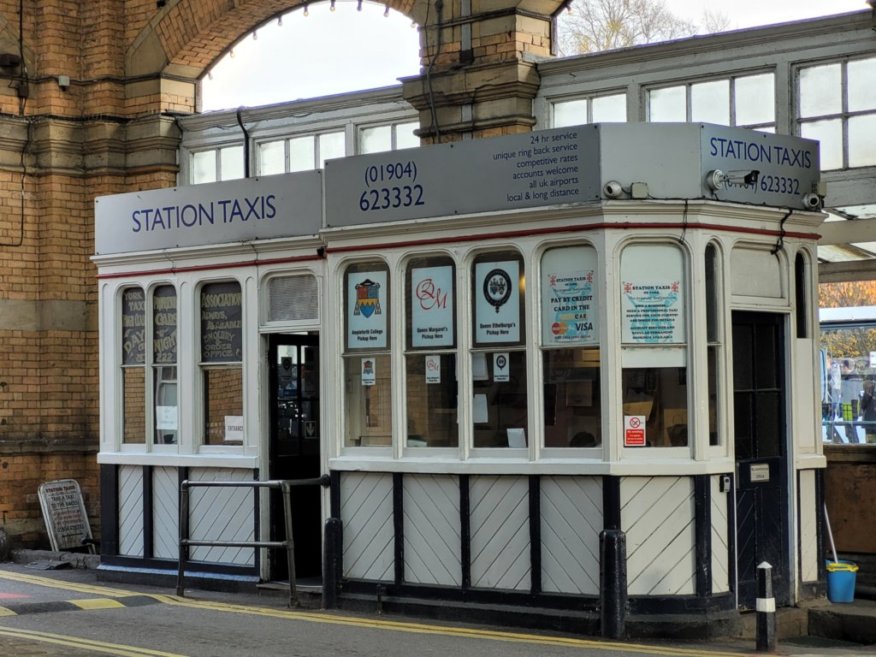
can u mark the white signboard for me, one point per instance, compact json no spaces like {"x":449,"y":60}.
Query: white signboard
{"x":634,"y":431}
{"x":501,"y":368}
{"x":568,"y":306}
{"x":497,"y":304}
{"x":432,"y":307}
{"x":166,"y":418}
{"x":367,"y":310}
{"x":64,"y":514}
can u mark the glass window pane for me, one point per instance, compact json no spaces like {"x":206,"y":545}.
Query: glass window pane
{"x":231,"y":162}
{"x":221,"y":325}
{"x":572,"y":396}
{"x":570,"y":112}
{"x":272,"y":158}
{"x":714,"y":434}
{"x":820,"y":90}
{"x":133,"y":327}
{"x":302,"y":154}
{"x":375,"y":140}
{"x":331,"y":145}
{"x":223,"y":406}
{"x":848,"y":411}
{"x":710,"y":102}
{"x":862,"y":84}
{"x":667,"y":104}
{"x":755,"y":99}
{"x":656,"y":398}
{"x":164,"y":356}
{"x":166,"y":407}
{"x":368,"y":410}
{"x":134,"y":405}
{"x":499,"y":411}
{"x":430,"y":382}
{"x":203,"y":167}
{"x":405,"y":137}
{"x":830,"y":134}
{"x":609,"y":109}
{"x":862,"y":141}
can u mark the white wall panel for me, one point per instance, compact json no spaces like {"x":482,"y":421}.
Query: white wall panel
{"x":131,"y":511}
{"x":222,"y":514}
{"x":500,"y":545}
{"x":657,"y":515}
{"x":165,"y":512}
{"x":720,"y":538}
{"x":432,"y":530}
{"x":808,"y":527}
{"x":571,"y":520}
{"x":367,"y":517}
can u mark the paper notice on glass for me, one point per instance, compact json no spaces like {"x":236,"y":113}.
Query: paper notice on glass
{"x":501,"y":368}
{"x":233,"y":428}
{"x":166,"y":418}
{"x":368,"y":372}
{"x":480,"y":414}
{"x":517,"y":438}
{"x":433,"y":369}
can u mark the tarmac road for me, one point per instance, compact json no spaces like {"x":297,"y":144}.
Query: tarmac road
{"x":67,"y":613}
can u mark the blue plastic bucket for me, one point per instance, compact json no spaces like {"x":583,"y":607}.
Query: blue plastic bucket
{"x":841,"y":576}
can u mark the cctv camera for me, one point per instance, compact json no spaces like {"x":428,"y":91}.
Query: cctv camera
{"x":812,"y":201}
{"x":612,"y":189}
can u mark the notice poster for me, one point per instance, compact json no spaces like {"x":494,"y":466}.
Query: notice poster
{"x":221,"y":325}
{"x":634,"y":431}
{"x":369,"y":375}
{"x":233,"y":428}
{"x":652,"y":295}
{"x":432,"y":307}
{"x":433,"y":369}
{"x":568,"y":301}
{"x":367,"y":310}
{"x":501,"y":368}
{"x":497,"y":302}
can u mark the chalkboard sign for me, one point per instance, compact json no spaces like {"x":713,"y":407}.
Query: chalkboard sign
{"x":221,"y":334}
{"x":64,"y":514}
{"x":164,"y":326}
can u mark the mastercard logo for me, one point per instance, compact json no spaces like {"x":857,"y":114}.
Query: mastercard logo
{"x":559,"y":328}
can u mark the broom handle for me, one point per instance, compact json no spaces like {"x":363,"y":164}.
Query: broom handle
{"x":830,"y":534}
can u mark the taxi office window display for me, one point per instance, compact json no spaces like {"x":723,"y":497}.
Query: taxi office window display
{"x":430,"y":358}
{"x":498,"y":357}
{"x":222,"y":362}
{"x":654,"y":346}
{"x":367,"y":374}
{"x":570,"y":347}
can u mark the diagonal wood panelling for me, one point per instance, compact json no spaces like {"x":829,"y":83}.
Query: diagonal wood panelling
{"x":657,"y":515}
{"x":131,"y":511}
{"x":165,"y":512}
{"x":808,"y":527}
{"x":500,"y":545}
{"x":571,"y":520}
{"x":432,"y":530}
{"x":222,"y":514}
{"x":367,"y":517}
{"x":720,"y":539}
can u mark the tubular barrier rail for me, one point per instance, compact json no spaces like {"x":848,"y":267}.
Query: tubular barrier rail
{"x":284,"y":485}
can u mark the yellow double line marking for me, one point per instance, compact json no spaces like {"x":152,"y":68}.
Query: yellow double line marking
{"x":366,"y":623}
{"x":85,"y":644}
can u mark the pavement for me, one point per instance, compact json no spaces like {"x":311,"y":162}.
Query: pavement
{"x":43,"y":582}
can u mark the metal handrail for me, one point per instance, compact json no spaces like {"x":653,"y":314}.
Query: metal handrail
{"x":284,"y":485}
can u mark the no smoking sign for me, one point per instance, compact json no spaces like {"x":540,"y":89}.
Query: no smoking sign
{"x":634,"y":430}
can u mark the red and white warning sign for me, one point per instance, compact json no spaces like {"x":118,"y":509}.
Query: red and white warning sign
{"x":634,"y":430}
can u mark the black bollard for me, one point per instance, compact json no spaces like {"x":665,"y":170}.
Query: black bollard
{"x":613,"y":583}
{"x":766,"y":609}
{"x":331,"y":563}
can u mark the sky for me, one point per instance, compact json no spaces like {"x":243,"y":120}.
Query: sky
{"x":330,"y":52}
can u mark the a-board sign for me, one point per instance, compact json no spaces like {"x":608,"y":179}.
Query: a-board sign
{"x":64,"y":514}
